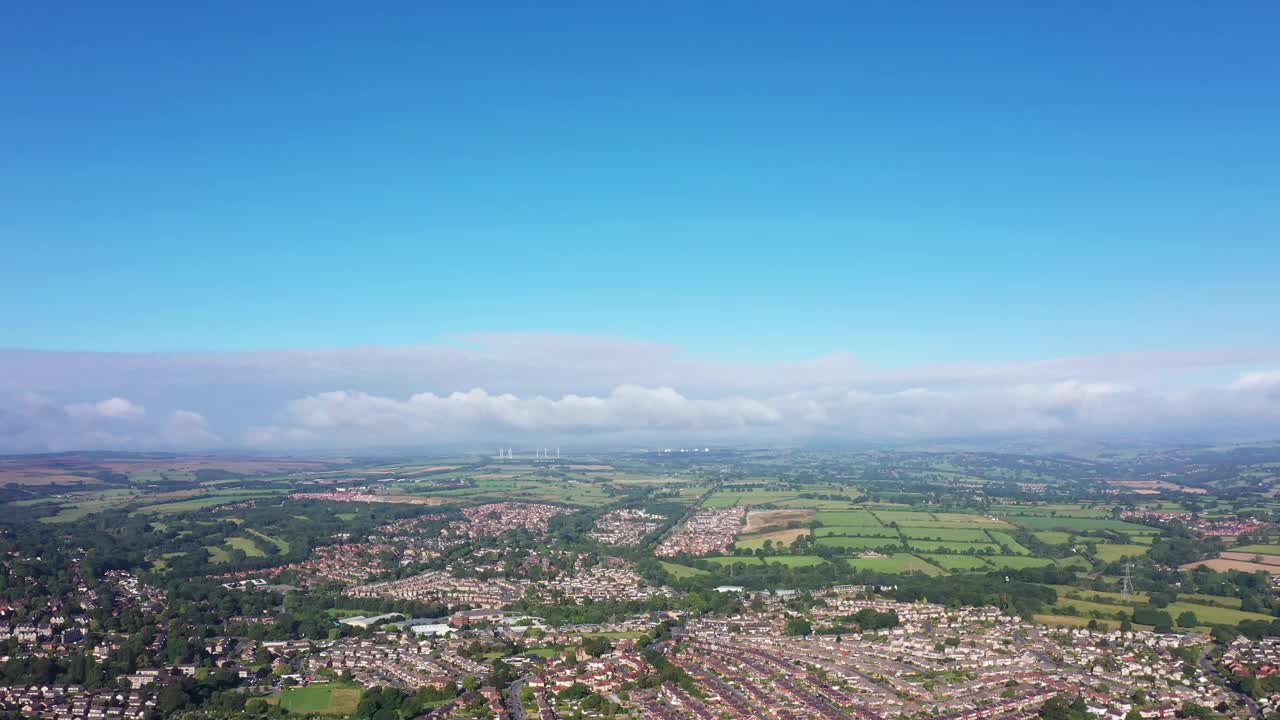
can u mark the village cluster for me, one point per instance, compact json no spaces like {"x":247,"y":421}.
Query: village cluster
{"x":705,"y":532}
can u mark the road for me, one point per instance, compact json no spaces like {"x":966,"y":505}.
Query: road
{"x":513,"y":698}
{"x":1207,"y":666}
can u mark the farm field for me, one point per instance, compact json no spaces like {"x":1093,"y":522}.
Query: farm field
{"x":899,"y":563}
{"x":1017,"y":562}
{"x":794,"y":560}
{"x":762,"y":520}
{"x":1251,"y":557}
{"x":946,"y":534}
{"x":859,"y":543}
{"x":783,"y":537}
{"x":847,"y":518}
{"x":1074,"y":621}
{"x":1009,"y":542}
{"x":1053,"y":537}
{"x":1223,"y":565}
{"x":734,"y":498}
{"x":1258,"y":549}
{"x":958,"y":547}
{"x":1112,"y":553}
{"x":1034,"y":522}
{"x":958,"y":562}
{"x":732,"y":559}
{"x":866,"y":531}
{"x":681,"y":571}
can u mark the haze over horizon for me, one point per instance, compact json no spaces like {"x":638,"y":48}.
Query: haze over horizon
{"x":244,"y":227}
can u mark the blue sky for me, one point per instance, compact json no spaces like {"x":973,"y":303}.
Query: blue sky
{"x":905,"y":181}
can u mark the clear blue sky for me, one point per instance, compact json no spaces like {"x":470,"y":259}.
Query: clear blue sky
{"x":910,"y":182}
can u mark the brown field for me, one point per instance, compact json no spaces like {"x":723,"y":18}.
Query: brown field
{"x":240,"y":465}
{"x":779,"y":537}
{"x":38,"y":477}
{"x":1155,"y":485}
{"x":1249,"y":558}
{"x":413,"y":500}
{"x":762,"y":520}
{"x":1223,"y":565}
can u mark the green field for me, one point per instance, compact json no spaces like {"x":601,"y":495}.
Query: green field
{"x":281,"y":545}
{"x":897,"y":563}
{"x":794,"y":560}
{"x":959,"y":547}
{"x":958,"y":562}
{"x":947,"y":534}
{"x":1017,"y":562}
{"x":1112,"y":553}
{"x":732,"y":559}
{"x":728,"y":498}
{"x":1053,"y":537}
{"x":1209,"y":615}
{"x":847,"y":518}
{"x":1009,"y":543}
{"x":218,"y":554}
{"x":862,"y":531}
{"x":322,"y":699}
{"x":199,"y":503}
{"x":249,"y":547}
{"x":1080,"y":524}
{"x":1258,"y":549}
{"x":904,"y":518}
{"x":681,"y":570}
{"x":859,"y":543}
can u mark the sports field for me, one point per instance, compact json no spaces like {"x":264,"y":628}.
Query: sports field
{"x":321,"y":699}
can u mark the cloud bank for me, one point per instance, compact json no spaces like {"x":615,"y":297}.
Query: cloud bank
{"x":510,"y":389}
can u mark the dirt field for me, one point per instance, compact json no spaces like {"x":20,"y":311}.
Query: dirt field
{"x":1249,"y":558}
{"x":763,"y":520}
{"x":37,"y":477}
{"x":1155,"y":485}
{"x":211,"y":463}
{"x":1223,"y":565}
{"x":779,"y":537}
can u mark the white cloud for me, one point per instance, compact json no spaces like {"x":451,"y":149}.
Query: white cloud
{"x":612,"y":391}
{"x":1265,"y":382}
{"x":111,"y":408}
{"x":34,"y":423}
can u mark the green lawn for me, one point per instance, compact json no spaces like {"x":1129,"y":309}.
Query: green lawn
{"x":281,"y":545}
{"x":218,"y":554}
{"x":322,"y":699}
{"x":249,"y":547}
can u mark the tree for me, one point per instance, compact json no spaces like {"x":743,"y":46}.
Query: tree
{"x":797,"y":626}
{"x":1188,"y":619}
